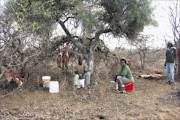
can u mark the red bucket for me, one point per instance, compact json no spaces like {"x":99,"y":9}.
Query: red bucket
{"x":129,"y":87}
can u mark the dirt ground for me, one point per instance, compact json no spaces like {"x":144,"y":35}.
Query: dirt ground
{"x":152,"y":99}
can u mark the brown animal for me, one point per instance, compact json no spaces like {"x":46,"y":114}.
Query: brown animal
{"x":10,"y":76}
{"x":59,"y":60}
{"x":66,"y":56}
{"x":63,"y":58}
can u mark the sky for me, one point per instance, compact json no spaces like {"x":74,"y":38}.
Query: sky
{"x":1,"y":2}
{"x":162,"y":31}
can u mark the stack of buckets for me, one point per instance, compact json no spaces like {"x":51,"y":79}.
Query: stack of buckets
{"x":52,"y":85}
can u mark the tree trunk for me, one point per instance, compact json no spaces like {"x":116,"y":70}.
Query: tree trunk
{"x":91,"y":67}
{"x":141,"y":60}
{"x":179,"y":68}
{"x":91,"y":61}
{"x":178,"y":55}
{"x":144,"y":62}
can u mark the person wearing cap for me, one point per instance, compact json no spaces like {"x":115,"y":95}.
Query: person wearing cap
{"x":170,"y":59}
{"x":124,"y":77}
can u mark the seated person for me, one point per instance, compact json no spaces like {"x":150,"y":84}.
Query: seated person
{"x":124,"y":77}
{"x":81,"y":72}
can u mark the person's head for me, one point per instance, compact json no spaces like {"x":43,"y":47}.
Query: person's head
{"x":122,"y":62}
{"x":170,"y":44}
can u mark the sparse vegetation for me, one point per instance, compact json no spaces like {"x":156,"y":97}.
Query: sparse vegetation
{"x":27,"y":38}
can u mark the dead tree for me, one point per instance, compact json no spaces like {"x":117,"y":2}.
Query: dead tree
{"x":174,"y":18}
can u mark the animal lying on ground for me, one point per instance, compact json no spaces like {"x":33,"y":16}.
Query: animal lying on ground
{"x":14,"y":76}
{"x":153,"y":76}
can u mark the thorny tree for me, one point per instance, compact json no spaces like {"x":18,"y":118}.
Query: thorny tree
{"x":143,"y":48}
{"x":83,"y":21}
{"x":141,"y":43}
{"x":17,"y":47}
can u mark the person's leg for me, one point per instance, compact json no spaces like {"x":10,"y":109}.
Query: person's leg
{"x":168,"y":70}
{"x":171,"y":72}
{"x":76,"y":78}
{"x":119,"y":85}
{"x":124,"y":80}
{"x":87,"y":77}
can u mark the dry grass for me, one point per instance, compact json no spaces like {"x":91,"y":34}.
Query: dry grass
{"x":152,"y":99}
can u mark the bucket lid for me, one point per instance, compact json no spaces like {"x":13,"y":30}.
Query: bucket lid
{"x":46,"y":77}
{"x":54,"y":82}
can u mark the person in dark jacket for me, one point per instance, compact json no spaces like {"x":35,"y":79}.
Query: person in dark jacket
{"x":170,"y":59}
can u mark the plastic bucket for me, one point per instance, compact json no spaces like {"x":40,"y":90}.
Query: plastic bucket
{"x":54,"y":87}
{"x":81,"y":82}
{"x":46,"y":80}
{"x":78,"y":86}
{"x":129,"y":87}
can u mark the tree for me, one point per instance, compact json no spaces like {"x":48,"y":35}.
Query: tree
{"x":93,"y":17}
{"x":17,"y":47}
{"x":143,"y":47}
{"x":174,"y":18}
{"x":10,"y":44}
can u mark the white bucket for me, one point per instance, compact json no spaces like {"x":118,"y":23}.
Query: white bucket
{"x":81,"y":82}
{"x":46,"y":80}
{"x":78,"y":86}
{"x":54,"y":87}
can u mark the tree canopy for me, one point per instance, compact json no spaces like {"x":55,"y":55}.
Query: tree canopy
{"x":122,"y":18}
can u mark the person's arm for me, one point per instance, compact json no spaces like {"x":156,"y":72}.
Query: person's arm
{"x":175,"y":57}
{"x":165,"y":59}
{"x":76,"y":70}
{"x":165,"y":63}
{"x":175,"y":54}
{"x":85,"y":67}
